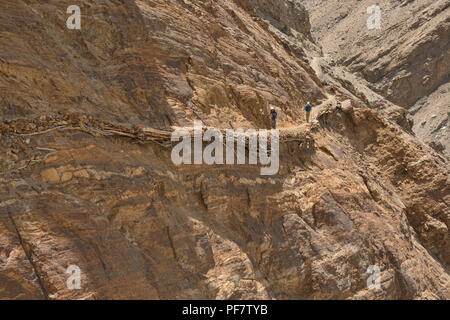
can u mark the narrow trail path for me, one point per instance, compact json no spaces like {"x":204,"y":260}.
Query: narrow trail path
{"x":28,"y":127}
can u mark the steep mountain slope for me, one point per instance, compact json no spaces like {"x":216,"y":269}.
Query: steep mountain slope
{"x":81,"y":185}
{"x":406,"y":61}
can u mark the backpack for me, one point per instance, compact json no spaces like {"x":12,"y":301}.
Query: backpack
{"x":274,"y":114}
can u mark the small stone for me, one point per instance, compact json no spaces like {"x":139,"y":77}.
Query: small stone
{"x":82,"y":174}
{"x":347,"y":106}
{"x":67,"y":176}
{"x":50,"y":175}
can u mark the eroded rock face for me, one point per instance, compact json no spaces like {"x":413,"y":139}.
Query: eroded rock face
{"x":406,"y":60}
{"x":79,"y":185}
{"x":432,"y":118}
{"x":137,"y":63}
{"x":284,"y":15}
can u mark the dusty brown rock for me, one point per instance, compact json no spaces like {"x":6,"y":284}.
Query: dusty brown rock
{"x":66,"y":176}
{"x":284,"y":15}
{"x":50,"y":175}
{"x":407,"y":60}
{"x":355,"y":189}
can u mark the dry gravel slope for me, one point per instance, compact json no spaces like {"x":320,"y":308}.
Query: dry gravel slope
{"x":365,"y":192}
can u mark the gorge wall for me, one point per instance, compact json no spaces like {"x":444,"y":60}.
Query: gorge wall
{"x":407,"y":60}
{"x":80,"y":186}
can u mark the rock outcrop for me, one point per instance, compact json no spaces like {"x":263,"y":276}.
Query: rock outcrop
{"x":86,"y":176}
{"x":285,"y":15}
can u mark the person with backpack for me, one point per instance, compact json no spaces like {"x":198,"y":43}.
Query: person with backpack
{"x":273,"y":116}
{"x":308,"y":108}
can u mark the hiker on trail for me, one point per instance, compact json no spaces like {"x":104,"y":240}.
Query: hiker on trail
{"x":273,"y":116}
{"x":308,"y":108}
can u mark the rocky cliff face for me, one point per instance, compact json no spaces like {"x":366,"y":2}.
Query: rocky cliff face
{"x":406,"y":61}
{"x":286,"y":15}
{"x":86,"y":177}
